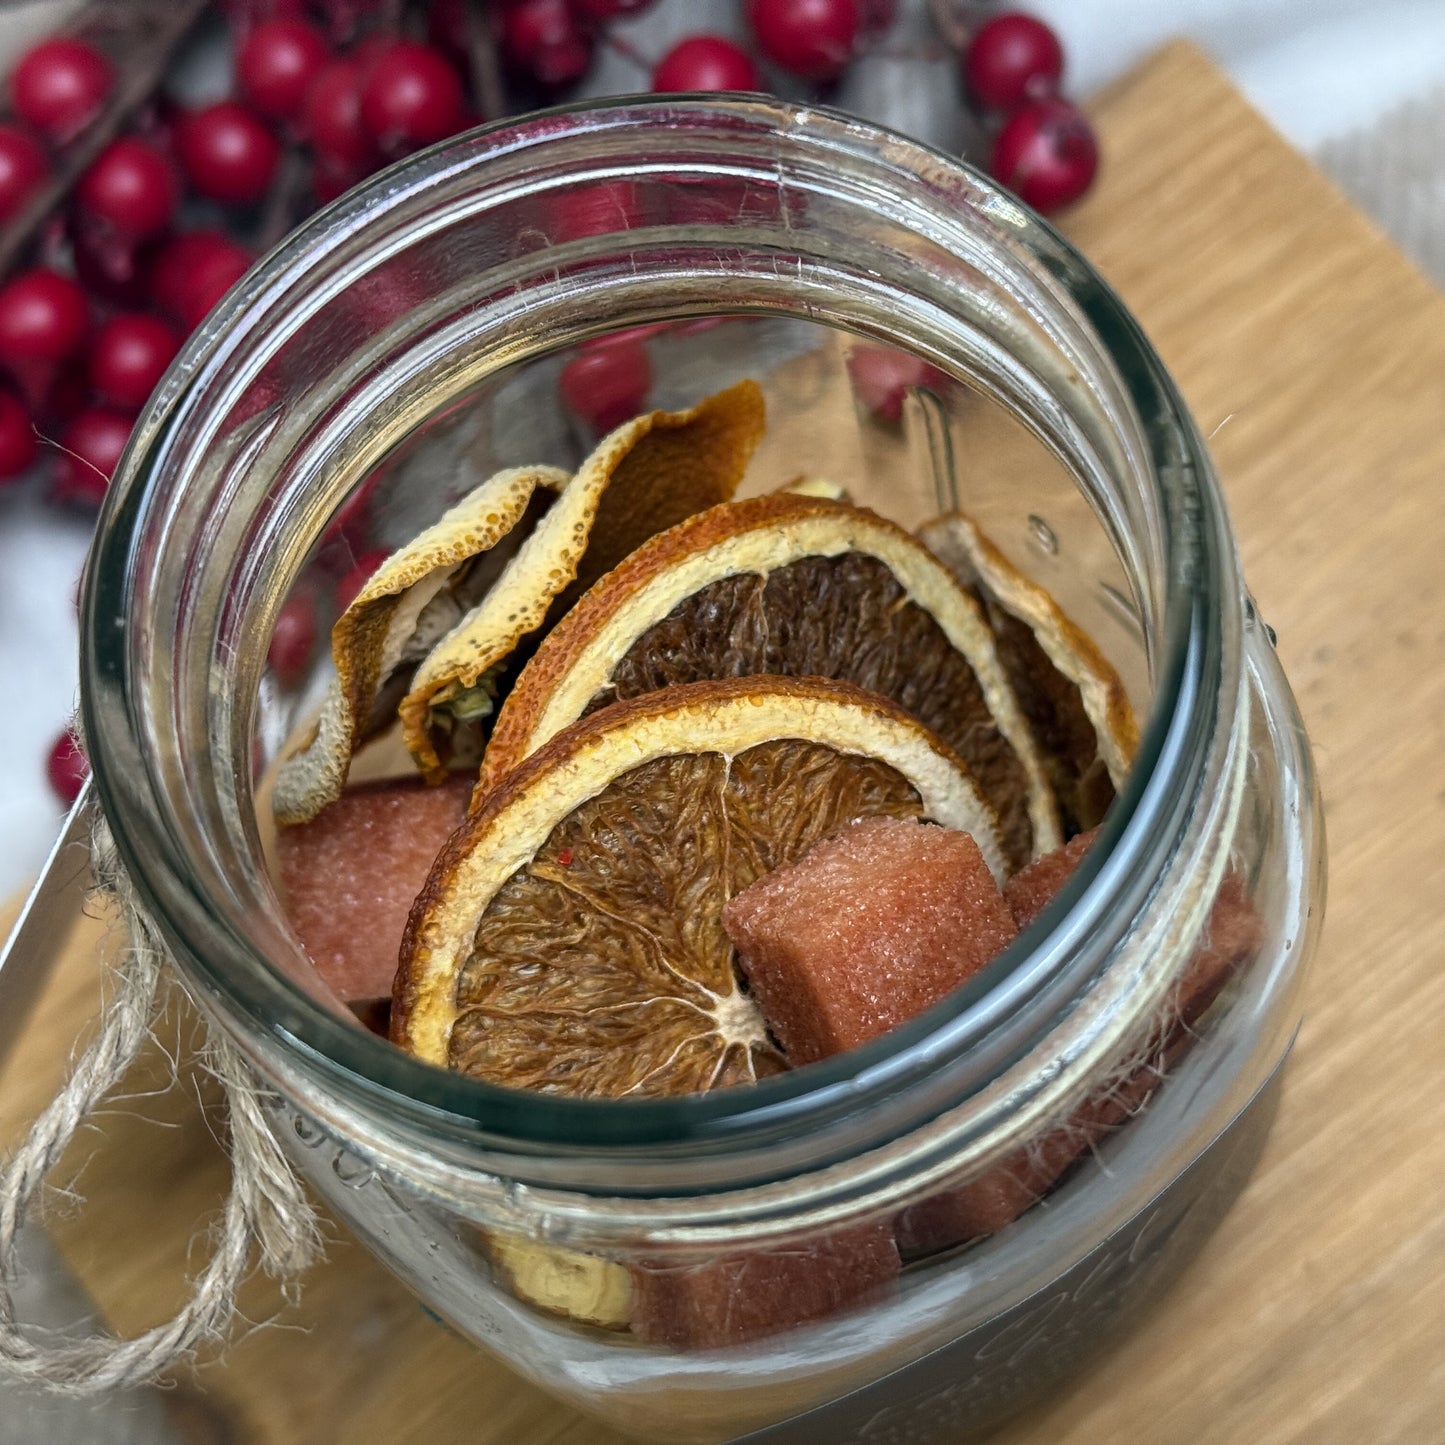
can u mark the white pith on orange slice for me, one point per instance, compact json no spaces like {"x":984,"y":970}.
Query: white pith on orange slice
{"x":793,"y":585}
{"x":649,"y":473}
{"x":570,"y":936}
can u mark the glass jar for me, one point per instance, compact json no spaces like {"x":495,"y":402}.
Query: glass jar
{"x":405,"y":343}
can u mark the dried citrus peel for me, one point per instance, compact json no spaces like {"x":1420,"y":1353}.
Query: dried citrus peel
{"x":644,"y":475}
{"x":816,"y":487}
{"x":958,"y":541}
{"x":583,"y":1287}
{"x":724,"y":718}
{"x":756,"y":537}
{"x":378,"y":632}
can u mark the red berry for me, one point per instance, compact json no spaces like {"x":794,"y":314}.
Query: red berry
{"x":192,"y":271}
{"x":130,"y":188}
{"x":332,"y":117}
{"x":607,"y":383}
{"x":43,"y":317}
{"x":59,"y":87}
{"x":92,"y":444}
{"x":543,"y":38}
{"x":1012,"y":59}
{"x":369,"y":49}
{"x":67,"y":390}
{"x":66,"y":767}
{"x":1047,"y":153}
{"x":411,"y":97}
{"x":129,"y":356}
{"x":351,"y":522}
{"x":878,"y":17}
{"x":293,"y":644}
{"x":705,"y":62}
{"x":329,"y":181}
{"x":17,"y":437}
{"x":813,"y":39}
{"x":107,"y":265}
{"x":228,"y":153}
{"x":596,"y":209}
{"x":882,"y":377}
{"x":23,"y":168}
{"x":609,"y":9}
{"x":356,"y":577}
{"x":277,"y":63}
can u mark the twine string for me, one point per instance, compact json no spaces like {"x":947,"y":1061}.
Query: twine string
{"x":266,"y":1208}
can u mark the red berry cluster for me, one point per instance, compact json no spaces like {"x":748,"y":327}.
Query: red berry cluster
{"x":90,"y":325}
{"x":153,"y":214}
{"x":141,"y":242}
{"x":552,"y":42}
{"x":1045,"y":148}
{"x":1011,"y":68}
{"x":123,"y":271}
{"x":85,"y":334}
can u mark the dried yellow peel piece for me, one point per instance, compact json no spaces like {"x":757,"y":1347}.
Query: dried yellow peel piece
{"x":582,"y":1287}
{"x":647,"y":474}
{"x":384,"y":631}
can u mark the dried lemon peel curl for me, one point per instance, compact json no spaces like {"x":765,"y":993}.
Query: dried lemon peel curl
{"x":645,"y":475}
{"x":721,"y":718}
{"x":579,"y":657}
{"x":384,"y":630}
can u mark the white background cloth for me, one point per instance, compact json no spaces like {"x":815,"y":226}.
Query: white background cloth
{"x":1319,"y":69}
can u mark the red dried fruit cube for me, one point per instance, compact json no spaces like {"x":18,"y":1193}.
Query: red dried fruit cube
{"x":868,"y":929}
{"x":742,"y":1297}
{"x":984,"y":1205}
{"x":350,"y":876}
{"x":1035,"y":884}
{"x":1232,"y":936}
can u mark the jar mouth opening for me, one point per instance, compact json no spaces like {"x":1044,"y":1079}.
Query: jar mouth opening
{"x":140,"y":778}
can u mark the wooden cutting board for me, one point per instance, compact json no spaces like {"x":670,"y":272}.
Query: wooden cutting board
{"x":1315,"y":356}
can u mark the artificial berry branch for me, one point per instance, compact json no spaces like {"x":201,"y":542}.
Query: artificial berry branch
{"x":163,"y":24}
{"x":483,"y":63}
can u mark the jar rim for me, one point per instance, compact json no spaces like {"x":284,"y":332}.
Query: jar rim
{"x":424,"y":1102}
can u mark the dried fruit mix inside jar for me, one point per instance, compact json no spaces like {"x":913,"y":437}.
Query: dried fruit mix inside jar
{"x":680,"y":791}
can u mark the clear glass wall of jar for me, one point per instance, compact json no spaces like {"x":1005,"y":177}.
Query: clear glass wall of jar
{"x":405,"y":343}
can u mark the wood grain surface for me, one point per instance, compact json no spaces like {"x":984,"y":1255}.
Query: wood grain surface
{"x":1315,"y":355}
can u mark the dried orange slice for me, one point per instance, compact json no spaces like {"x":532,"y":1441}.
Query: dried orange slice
{"x":1074,"y":701}
{"x":570,"y":937}
{"x":565,"y":1282}
{"x":647,"y":474}
{"x":796,"y":586}
{"x":413,"y":598}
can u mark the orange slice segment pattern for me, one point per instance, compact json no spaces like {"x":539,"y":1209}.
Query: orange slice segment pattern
{"x":794,"y":586}
{"x":570,"y":938}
